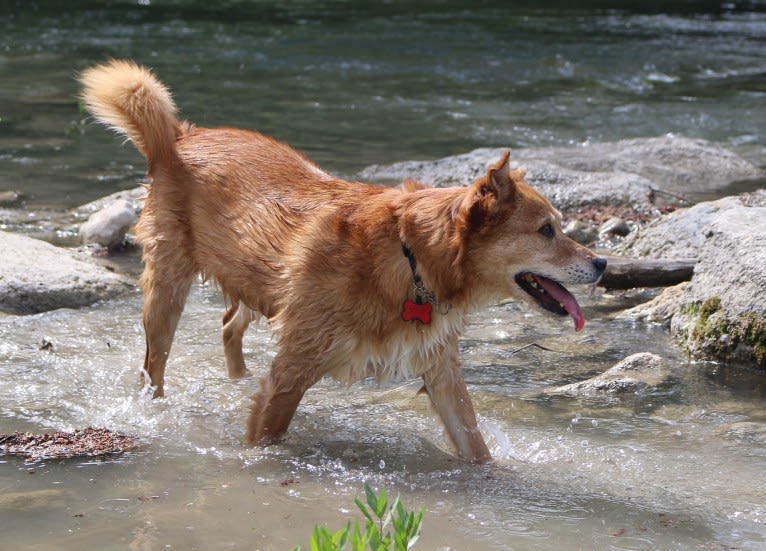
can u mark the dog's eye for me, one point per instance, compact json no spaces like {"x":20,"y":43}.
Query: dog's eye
{"x":547,"y":231}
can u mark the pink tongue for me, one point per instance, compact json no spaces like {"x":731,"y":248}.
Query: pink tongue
{"x":566,"y":299}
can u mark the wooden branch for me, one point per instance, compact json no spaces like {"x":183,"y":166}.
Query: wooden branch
{"x":628,"y":273}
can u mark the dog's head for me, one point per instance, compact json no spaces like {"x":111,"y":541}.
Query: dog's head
{"x":514,"y":245}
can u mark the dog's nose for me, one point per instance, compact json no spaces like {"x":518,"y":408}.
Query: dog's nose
{"x":600,"y":264}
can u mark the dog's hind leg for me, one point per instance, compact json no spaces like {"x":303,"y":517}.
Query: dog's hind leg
{"x":235,"y":323}
{"x":446,"y":388}
{"x":276,"y":401}
{"x":165,"y":291}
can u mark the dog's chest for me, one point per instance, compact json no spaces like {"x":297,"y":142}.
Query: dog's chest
{"x":407,"y":354}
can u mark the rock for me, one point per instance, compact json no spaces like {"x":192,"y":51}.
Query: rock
{"x":108,"y":226}
{"x":36,"y":276}
{"x":622,"y":173}
{"x":581,"y":232}
{"x":636,"y":373}
{"x":660,"y":309}
{"x":614,"y":226}
{"x":721,"y":313}
{"x":672,"y":163}
{"x":134,"y":196}
{"x":8,"y":198}
{"x":746,"y":430}
{"x":682,"y":234}
{"x":565,"y":188}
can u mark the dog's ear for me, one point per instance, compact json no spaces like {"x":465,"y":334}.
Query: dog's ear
{"x":498,"y":182}
{"x":490,"y":196}
{"x":408,"y":186}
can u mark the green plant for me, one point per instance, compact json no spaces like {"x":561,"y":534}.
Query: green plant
{"x":379,"y":516}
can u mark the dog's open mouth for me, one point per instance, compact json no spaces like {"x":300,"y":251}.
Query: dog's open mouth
{"x":552,"y":296}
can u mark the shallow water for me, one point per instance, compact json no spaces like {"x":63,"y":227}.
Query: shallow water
{"x":665,"y":470}
{"x":680,"y":467}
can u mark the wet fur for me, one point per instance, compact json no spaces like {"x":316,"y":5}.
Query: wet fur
{"x":320,"y":257}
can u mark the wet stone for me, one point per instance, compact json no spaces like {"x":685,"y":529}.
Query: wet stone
{"x":581,"y":232}
{"x":634,"y":374}
{"x":615,"y":226}
{"x":107,"y":227}
{"x":9,"y":198}
{"x":36,"y":276}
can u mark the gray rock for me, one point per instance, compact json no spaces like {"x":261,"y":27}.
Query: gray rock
{"x":581,"y":232}
{"x":636,"y":373}
{"x":564,"y":187}
{"x":134,"y":196}
{"x":36,"y":276}
{"x":660,"y":309}
{"x":619,"y":173}
{"x":721,"y":313}
{"x":615,"y":226}
{"x":9,"y":198}
{"x":108,"y":226}
{"x":672,"y":163}
{"x":682,"y":234}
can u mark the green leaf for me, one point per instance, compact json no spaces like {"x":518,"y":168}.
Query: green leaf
{"x":406,"y":527}
{"x":372,"y":499}
{"x":341,"y":536}
{"x":382,"y":502}
{"x":363,"y":509}
{"x":396,"y":504}
{"x":317,"y":539}
{"x":358,"y":540}
{"x":373,"y":535}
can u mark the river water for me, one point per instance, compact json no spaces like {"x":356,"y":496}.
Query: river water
{"x":682,"y":466}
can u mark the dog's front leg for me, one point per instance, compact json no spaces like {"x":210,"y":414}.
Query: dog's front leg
{"x":276,"y":401}
{"x":446,"y":388}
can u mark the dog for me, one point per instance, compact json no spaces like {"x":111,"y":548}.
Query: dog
{"x":357,"y":280}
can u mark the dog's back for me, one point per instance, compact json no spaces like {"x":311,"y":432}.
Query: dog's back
{"x":235,"y":203}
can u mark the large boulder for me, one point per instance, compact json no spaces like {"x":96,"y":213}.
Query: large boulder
{"x":36,"y":276}
{"x":721,"y":313}
{"x":624,"y":173}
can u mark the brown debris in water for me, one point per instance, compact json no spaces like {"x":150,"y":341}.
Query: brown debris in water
{"x":88,"y":442}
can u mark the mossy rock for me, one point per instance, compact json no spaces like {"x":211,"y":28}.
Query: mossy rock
{"x":707,"y":332}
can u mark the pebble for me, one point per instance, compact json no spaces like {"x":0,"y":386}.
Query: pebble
{"x":615,"y":226}
{"x":8,"y":198}
{"x":581,"y":232}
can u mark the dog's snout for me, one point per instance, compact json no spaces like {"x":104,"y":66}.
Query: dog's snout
{"x":600,"y":264}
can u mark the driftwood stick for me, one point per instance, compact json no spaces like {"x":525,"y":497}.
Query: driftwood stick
{"x":627,"y":273}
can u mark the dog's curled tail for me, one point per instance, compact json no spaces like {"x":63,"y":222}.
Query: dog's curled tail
{"x":128,"y":98}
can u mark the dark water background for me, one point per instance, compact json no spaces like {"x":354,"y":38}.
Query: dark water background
{"x":356,"y":83}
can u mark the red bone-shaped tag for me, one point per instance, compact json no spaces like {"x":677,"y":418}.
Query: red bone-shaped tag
{"x":414,"y":311}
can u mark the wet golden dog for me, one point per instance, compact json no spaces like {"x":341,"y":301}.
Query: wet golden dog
{"x":357,"y":280}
